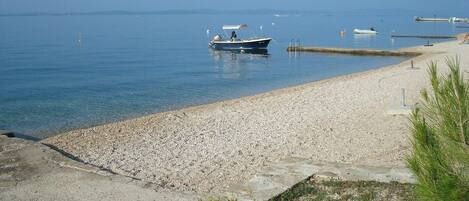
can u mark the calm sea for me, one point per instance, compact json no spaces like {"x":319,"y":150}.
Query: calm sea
{"x":59,"y":73}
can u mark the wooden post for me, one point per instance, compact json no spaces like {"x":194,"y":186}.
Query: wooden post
{"x":403,"y":98}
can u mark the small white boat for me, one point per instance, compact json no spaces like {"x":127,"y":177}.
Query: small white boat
{"x":365,"y":31}
{"x":456,"y":19}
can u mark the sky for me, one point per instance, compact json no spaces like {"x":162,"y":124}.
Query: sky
{"x":63,"y":6}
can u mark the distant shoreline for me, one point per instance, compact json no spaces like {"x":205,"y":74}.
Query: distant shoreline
{"x":196,"y":11}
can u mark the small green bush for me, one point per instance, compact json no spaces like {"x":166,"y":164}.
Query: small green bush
{"x":440,"y":136}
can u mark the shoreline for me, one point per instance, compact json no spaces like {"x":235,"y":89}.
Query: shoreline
{"x":45,"y":135}
{"x":209,"y":147}
{"x":266,"y":93}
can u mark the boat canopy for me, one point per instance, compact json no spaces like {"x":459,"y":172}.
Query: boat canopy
{"x":234,"y":27}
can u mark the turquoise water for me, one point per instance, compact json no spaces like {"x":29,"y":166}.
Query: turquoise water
{"x":64,"y":72}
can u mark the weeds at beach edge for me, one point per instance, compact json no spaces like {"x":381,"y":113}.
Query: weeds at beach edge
{"x":219,"y":198}
{"x":337,"y":190}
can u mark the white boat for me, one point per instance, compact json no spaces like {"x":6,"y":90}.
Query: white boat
{"x":365,"y":31}
{"x":456,"y":19}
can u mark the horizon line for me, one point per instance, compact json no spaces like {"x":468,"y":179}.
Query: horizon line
{"x":192,"y":11}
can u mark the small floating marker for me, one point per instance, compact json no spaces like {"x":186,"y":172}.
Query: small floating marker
{"x":273,"y":23}
{"x":80,"y":39}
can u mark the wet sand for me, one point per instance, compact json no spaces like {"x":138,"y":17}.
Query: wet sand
{"x":210,"y":147}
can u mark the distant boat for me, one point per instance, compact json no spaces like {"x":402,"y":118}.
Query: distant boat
{"x":234,"y":43}
{"x":456,"y":19}
{"x":279,"y":15}
{"x":365,"y":31}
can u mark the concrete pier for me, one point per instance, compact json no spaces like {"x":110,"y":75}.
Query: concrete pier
{"x":32,"y":171}
{"x":360,"y":52}
{"x":451,"y":19}
{"x":423,"y":36}
{"x":430,"y":19}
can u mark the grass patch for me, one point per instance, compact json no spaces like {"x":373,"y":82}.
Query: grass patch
{"x":219,"y":198}
{"x":333,"y":190}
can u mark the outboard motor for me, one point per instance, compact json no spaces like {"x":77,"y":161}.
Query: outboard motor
{"x":217,"y":38}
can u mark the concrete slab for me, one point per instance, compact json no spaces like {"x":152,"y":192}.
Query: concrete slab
{"x":6,"y":133}
{"x":277,"y":178}
{"x":400,"y":110}
{"x":32,"y":171}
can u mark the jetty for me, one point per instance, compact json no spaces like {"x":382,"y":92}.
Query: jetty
{"x":359,"y":52}
{"x":451,"y":19}
{"x":424,"y":36}
{"x":429,"y":19}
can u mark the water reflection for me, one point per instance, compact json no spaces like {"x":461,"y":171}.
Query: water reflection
{"x":364,"y":40}
{"x":236,"y":64}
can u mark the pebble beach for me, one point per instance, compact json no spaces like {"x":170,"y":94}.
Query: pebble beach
{"x":209,"y":148}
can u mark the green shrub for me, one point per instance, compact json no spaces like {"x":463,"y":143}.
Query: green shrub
{"x":440,"y":136}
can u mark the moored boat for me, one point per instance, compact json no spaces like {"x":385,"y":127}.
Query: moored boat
{"x":365,"y":31}
{"x":234,"y":43}
{"x":456,"y":19}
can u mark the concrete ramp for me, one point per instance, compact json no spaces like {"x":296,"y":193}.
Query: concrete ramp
{"x":32,"y":171}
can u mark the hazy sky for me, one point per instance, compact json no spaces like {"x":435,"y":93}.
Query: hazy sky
{"x":21,"y":6}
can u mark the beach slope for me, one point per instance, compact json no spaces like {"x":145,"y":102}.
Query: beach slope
{"x":210,"y":147}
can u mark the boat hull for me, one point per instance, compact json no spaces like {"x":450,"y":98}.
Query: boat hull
{"x":255,"y":44}
{"x":364,"y":31}
{"x":263,"y":52}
